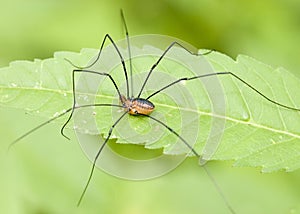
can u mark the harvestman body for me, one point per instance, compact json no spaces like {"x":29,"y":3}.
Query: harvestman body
{"x":138,"y":106}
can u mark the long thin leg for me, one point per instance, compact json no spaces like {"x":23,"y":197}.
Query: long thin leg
{"x":56,"y":117}
{"x":74,"y":95}
{"x":129,"y":52}
{"x":195,"y":153}
{"x":171,"y":130}
{"x":161,"y":57}
{"x":224,"y":73}
{"x":98,"y":56}
{"x":97,"y":155}
{"x":218,"y":188}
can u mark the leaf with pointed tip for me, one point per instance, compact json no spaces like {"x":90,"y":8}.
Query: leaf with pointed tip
{"x":250,"y":130}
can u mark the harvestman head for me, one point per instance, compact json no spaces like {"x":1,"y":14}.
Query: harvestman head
{"x":136,"y":105}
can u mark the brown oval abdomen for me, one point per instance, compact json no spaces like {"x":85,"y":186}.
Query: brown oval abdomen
{"x":141,"y":106}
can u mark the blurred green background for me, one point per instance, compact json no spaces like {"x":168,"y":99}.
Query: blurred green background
{"x":47,"y":174}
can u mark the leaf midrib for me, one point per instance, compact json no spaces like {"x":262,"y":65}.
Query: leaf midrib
{"x":251,"y":123}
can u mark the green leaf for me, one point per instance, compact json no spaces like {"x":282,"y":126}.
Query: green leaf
{"x":250,"y":130}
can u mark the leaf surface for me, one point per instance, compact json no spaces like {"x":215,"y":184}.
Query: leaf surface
{"x":250,"y":130}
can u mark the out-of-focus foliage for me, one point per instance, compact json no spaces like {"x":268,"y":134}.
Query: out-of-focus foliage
{"x":267,"y":30}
